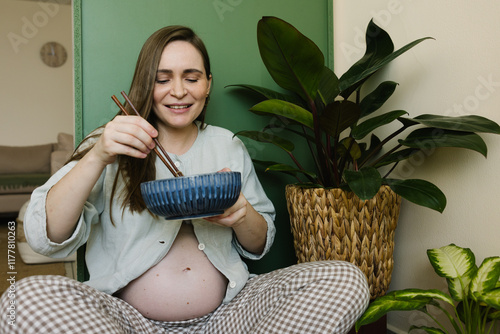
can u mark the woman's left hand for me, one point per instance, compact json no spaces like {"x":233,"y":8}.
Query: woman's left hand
{"x":249,"y":226}
{"x":233,"y":216}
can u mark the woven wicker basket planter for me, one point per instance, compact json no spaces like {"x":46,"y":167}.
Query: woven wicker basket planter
{"x":332,"y":224}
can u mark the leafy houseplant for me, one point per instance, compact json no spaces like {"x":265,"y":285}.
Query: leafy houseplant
{"x":474,"y":294}
{"x":334,"y":118}
{"x":346,"y":206}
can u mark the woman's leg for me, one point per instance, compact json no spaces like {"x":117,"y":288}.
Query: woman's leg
{"x":314,"y":297}
{"x":57,"y":304}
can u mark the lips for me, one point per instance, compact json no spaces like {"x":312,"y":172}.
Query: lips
{"x":178,"y":106}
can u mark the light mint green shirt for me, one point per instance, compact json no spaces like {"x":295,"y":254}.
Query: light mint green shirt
{"x":118,"y":254}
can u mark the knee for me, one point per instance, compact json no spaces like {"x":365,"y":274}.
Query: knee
{"x":355,"y":288}
{"x":347,"y":278}
{"x":22,"y":291}
{"x":356,"y":281}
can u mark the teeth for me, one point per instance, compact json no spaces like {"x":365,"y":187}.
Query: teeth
{"x":179,"y":107}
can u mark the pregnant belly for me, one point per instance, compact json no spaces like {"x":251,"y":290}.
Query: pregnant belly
{"x":183,"y":285}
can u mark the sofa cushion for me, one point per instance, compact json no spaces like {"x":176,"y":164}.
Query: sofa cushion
{"x":21,"y":183}
{"x":64,"y":150}
{"x":58,"y":159}
{"x":65,"y":142}
{"x":25,"y":159}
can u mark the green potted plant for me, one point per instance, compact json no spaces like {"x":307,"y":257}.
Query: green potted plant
{"x":474,"y":294}
{"x":346,"y":205}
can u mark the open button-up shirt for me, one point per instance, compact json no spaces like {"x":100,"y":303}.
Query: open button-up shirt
{"x":118,"y":254}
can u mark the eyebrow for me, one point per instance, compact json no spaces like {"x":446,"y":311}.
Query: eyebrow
{"x":186,"y":71}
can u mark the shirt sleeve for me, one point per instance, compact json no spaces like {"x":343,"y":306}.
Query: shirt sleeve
{"x":35,"y":220}
{"x":256,"y":196}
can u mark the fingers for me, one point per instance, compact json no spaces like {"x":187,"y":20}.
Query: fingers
{"x":126,"y":135}
{"x":232,"y":216}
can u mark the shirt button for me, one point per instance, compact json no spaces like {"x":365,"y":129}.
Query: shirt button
{"x":201,"y":247}
{"x":232,"y":284}
{"x":177,"y":164}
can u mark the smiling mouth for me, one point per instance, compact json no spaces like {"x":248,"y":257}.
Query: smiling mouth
{"x":183,"y":106}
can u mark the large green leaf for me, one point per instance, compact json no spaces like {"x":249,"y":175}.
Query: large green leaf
{"x":270,"y":94}
{"x":495,"y":314}
{"x":420,"y":192}
{"x":430,"y":330}
{"x":469,"y":123}
{"x":365,"y":183}
{"x":397,"y":156}
{"x":328,"y":86}
{"x":452,"y":261}
{"x":285,"y":109}
{"x":486,"y":277}
{"x":278,"y":127}
{"x":378,"y":46}
{"x":431,"y":138}
{"x":374,"y":146}
{"x":283,"y":168}
{"x":409,"y":294}
{"x":265,"y":137}
{"x":379,"y":52}
{"x":403,"y":300}
{"x":459,"y":287}
{"x":292,"y":59}
{"x":264,"y":163}
{"x":339,"y":116}
{"x":491,"y":298}
{"x":377,"y":98}
{"x":351,"y":145}
{"x":365,"y":128}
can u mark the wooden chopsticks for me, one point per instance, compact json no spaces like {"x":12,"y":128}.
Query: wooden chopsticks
{"x":170,"y":164}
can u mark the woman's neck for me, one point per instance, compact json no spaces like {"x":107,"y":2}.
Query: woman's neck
{"x":178,"y":141}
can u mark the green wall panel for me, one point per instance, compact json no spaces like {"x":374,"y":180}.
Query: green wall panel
{"x":110,"y":33}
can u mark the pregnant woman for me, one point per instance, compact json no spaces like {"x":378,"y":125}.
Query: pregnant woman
{"x":183,"y":276}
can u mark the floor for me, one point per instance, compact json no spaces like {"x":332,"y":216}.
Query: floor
{"x":22,"y":270}
{"x":11,"y":262}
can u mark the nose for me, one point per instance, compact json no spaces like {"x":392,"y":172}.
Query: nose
{"x":178,"y":90}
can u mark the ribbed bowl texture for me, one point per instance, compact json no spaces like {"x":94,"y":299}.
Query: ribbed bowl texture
{"x":194,"y":196}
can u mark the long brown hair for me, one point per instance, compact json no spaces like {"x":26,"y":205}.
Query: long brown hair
{"x":135,"y":171}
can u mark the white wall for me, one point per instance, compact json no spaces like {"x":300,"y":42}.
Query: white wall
{"x":457,"y":73}
{"x":36,"y":100}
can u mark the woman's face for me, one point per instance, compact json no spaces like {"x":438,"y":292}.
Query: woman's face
{"x":181,"y":86}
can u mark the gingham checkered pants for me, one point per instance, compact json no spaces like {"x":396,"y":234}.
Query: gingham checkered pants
{"x":315,"y":297}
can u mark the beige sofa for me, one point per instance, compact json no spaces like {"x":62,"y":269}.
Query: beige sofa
{"x":24,"y":168}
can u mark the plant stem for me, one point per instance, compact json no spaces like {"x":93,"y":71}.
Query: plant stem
{"x":332,"y":165}
{"x":315,"y":158}
{"x":299,"y":166}
{"x":394,"y":149}
{"x":467,"y":311}
{"x":379,"y":146}
{"x":343,"y":160}
{"x":390,"y":170}
{"x":323,"y":162}
{"x":450,"y":318}
{"x":336,"y":172}
{"x":313,"y":154}
{"x":484,"y":319}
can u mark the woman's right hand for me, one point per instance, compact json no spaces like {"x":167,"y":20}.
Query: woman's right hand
{"x":128,"y":135}
{"x":125,"y":135}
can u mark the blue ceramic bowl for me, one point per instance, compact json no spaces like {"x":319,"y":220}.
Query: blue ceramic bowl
{"x":195,"y":196}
